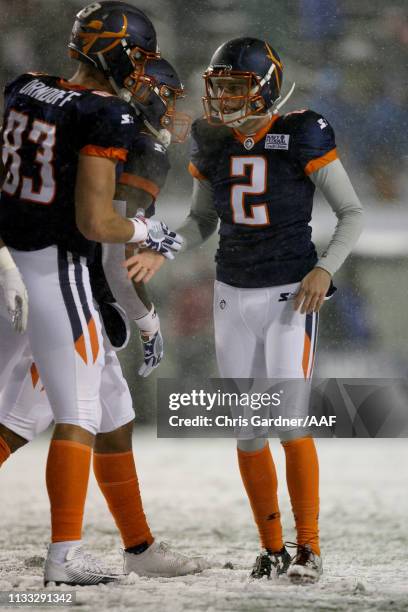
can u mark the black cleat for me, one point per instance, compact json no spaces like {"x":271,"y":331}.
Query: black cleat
{"x":271,"y":564}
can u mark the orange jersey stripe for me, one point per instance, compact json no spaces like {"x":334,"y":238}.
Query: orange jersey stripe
{"x":320,"y":162}
{"x":93,"y":336}
{"x":140,"y":183}
{"x":194,"y":171}
{"x":109,"y":152}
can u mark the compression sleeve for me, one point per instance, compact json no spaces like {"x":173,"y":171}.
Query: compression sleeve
{"x":202,"y":220}
{"x":334,"y":183}
{"x":122,"y":288}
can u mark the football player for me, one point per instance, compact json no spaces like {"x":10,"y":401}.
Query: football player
{"x":62,"y":141}
{"x":256,"y":171}
{"x":24,"y":408}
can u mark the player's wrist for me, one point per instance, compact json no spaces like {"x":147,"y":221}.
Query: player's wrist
{"x":6,"y":260}
{"x":149,"y":323}
{"x":324,"y":270}
{"x":140,"y":230}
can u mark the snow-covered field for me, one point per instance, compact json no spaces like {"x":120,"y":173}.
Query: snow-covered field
{"x":194,"y":499}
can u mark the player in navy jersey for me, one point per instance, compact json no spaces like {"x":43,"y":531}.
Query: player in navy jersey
{"x":256,"y":171}
{"x":62,"y":141}
{"x":24,"y":407}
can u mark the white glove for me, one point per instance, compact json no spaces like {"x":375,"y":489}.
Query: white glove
{"x":155,"y":235}
{"x":152,"y":341}
{"x":14,"y":290}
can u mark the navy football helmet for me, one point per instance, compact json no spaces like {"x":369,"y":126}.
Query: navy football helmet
{"x":155,"y":94}
{"x":115,"y":38}
{"x":243,"y":80}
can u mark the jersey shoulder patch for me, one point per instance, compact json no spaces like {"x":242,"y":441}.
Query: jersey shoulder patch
{"x":312,"y":139}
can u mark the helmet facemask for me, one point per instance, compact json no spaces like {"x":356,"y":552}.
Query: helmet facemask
{"x":158,"y":102}
{"x":234,"y":97}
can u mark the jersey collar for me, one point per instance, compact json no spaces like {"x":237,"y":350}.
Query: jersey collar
{"x":258,"y":135}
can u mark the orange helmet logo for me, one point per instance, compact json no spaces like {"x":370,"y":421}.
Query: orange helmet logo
{"x":90,"y":38}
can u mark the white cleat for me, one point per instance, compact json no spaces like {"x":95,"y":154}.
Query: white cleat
{"x":306,"y":567}
{"x":160,"y":560}
{"x":78,"y":569}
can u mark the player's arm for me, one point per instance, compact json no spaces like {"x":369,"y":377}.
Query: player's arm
{"x":96,"y":217}
{"x":199,"y":225}
{"x":202,"y":220}
{"x":334,"y":183}
{"x":133,"y":297}
{"x":14,"y":290}
{"x":11,"y":282}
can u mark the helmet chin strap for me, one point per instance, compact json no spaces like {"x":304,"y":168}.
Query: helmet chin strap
{"x":285,"y":99}
{"x":162,"y":135}
{"x":277,"y":105}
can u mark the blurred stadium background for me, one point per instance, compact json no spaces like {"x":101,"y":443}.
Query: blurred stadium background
{"x":350,"y":62}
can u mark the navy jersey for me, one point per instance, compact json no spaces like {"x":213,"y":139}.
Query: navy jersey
{"x":47,"y":124}
{"x":146,"y":167}
{"x":263,"y":195}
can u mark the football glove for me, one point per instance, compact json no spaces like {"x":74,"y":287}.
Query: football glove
{"x":152,"y":341}
{"x":160,"y":238}
{"x":14,"y":290}
{"x":153,"y":353}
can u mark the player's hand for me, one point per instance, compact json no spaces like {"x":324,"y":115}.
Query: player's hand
{"x":144,"y":265}
{"x":152,"y":352}
{"x":152,"y":341}
{"x":161,"y":239}
{"x":14,"y":290}
{"x":312,"y":291}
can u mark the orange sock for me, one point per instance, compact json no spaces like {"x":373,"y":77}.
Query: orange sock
{"x":302,"y":476}
{"x":259,"y":477}
{"x":117,"y":479}
{"x":67,"y":477}
{"x":5,"y":451}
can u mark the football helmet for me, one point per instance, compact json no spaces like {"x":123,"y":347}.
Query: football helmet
{"x":115,"y":38}
{"x":155,"y":94}
{"x":243,"y":80}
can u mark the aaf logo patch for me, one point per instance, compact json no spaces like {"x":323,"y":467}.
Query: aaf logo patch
{"x":277,"y":141}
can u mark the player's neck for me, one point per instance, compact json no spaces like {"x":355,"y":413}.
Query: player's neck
{"x":94,"y":80}
{"x":254,"y":125}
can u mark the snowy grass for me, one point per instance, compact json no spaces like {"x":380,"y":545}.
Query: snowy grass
{"x":194,"y":499}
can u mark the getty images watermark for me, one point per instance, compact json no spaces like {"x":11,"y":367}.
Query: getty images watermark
{"x":246,"y":408}
{"x":236,"y":401}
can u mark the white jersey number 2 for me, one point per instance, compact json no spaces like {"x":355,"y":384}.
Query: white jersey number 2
{"x":258,"y":213}
{"x":43,"y":135}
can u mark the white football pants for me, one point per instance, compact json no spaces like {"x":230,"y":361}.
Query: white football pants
{"x":259,"y":335}
{"x":62,"y":368}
